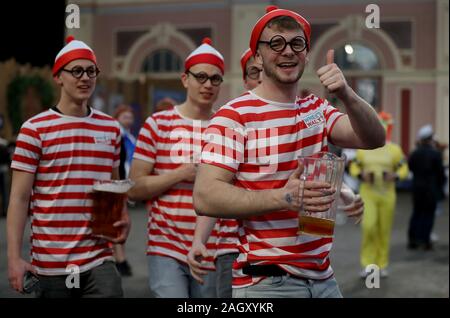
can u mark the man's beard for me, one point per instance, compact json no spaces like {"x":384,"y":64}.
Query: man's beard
{"x":271,"y":73}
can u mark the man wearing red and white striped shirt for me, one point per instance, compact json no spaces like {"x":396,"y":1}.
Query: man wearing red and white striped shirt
{"x":250,"y":171}
{"x":164,"y":169}
{"x":59,"y":154}
{"x":227,"y":241}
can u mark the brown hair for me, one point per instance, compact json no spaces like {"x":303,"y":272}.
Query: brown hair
{"x":165,"y":104}
{"x":122,"y":109}
{"x":284,"y":23}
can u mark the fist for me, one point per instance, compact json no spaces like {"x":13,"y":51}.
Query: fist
{"x":331,"y":77}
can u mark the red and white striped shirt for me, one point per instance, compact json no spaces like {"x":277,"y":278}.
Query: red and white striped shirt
{"x":228,"y":238}
{"x":260,"y":141}
{"x":168,"y":140}
{"x":66,"y":154}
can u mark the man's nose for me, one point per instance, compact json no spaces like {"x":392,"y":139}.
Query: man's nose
{"x":208,"y":83}
{"x":288,"y":50}
{"x":85,"y":76}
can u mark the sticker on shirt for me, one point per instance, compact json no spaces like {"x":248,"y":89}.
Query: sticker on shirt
{"x":314,"y":119}
{"x":103,"y":140}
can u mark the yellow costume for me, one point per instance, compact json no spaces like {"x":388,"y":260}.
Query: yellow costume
{"x":378,"y":194}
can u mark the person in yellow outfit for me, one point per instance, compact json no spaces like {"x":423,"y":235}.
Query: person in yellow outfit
{"x":378,"y":170}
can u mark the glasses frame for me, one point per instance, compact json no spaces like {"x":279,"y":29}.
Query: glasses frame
{"x":77,"y":68}
{"x":255,"y":75}
{"x":210,"y":78}
{"x":285,"y":43}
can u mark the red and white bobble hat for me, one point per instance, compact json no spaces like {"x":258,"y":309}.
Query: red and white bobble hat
{"x":205,"y":53}
{"x":271,"y":13}
{"x":74,"y":50}
{"x":244,"y":59}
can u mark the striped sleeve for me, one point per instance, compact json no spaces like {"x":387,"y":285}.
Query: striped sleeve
{"x":117,"y":148}
{"x":224,"y":140}
{"x":28,"y":149}
{"x":331,"y":114}
{"x":147,"y":140}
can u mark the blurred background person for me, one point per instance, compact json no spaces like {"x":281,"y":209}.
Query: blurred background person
{"x":441,"y":147}
{"x":427,"y":167}
{"x":165,"y":104}
{"x":251,"y":70}
{"x":378,"y":171}
{"x":5,"y":161}
{"x":125,"y":116}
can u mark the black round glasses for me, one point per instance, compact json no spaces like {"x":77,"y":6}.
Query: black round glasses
{"x":78,"y":71}
{"x":278,"y":43}
{"x":202,"y":77}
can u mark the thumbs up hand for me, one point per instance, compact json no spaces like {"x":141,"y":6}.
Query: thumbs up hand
{"x":332,"y":78}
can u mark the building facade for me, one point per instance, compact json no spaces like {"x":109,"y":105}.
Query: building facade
{"x":399,"y":66}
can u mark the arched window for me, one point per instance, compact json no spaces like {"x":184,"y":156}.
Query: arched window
{"x":354,"y":56}
{"x":161,"y":61}
{"x":360,"y":60}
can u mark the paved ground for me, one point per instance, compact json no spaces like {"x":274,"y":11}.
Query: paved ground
{"x":413,"y":273}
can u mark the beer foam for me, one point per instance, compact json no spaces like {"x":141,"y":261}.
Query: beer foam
{"x":115,"y":186}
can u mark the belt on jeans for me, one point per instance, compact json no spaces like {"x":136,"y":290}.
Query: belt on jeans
{"x":264,"y":270}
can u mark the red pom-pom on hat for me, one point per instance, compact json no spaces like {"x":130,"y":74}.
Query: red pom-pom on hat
{"x":73,"y":50}
{"x":70,"y":38}
{"x":207,"y":41}
{"x":271,"y":8}
{"x":205,"y":53}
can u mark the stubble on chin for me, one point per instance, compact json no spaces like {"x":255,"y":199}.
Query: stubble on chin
{"x":273,"y":74}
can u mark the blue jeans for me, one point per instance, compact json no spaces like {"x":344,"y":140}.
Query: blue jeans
{"x":224,"y":269}
{"x":289,"y":287}
{"x":169,"y":278}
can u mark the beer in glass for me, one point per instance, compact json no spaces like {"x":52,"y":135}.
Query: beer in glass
{"x":323,"y":167}
{"x":108,"y":200}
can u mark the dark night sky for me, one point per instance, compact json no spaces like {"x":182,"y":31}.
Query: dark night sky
{"x":32,"y":31}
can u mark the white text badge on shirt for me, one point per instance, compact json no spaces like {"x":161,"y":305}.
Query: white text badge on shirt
{"x":314,"y":119}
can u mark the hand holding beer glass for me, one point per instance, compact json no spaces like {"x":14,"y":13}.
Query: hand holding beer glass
{"x":321,"y":167}
{"x":109,"y":199}
{"x":350,"y":203}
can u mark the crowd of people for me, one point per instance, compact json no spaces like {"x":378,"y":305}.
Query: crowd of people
{"x":222,"y":214}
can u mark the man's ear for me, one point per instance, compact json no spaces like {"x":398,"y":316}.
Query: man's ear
{"x":258,"y":58}
{"x":57,"y":79}
{"x":184,"y":79}
{"x":246,"y":84}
